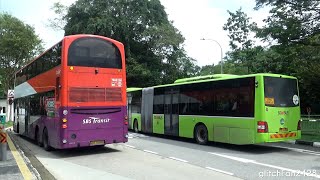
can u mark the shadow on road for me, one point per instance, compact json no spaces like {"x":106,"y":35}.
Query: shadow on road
{"x":191,"y":143}
{"x":63,"y":153}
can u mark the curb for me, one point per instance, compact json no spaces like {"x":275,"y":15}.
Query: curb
{"x":314,"y":144}
{"x":35,"y":165}
{"x":24,"y":157}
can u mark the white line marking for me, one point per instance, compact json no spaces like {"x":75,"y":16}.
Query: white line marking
{"x":150,"y":152}
{"x":130,"y":146}
{"x":267,"y":165}
{"x":290,"y":170}
{"x":299,"y":150}
{"x":233,"y":158}
{"x":218,"y":170}
{"x":177,"y":159}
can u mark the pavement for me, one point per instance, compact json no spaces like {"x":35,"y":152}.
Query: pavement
{"x":22,"y":164}
{"x":16,"y":166}
{"x":39,"y":164}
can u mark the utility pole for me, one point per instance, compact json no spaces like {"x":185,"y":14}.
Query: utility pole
{"x":221,"y":54}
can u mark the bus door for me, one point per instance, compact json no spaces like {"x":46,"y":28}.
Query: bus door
{"x":129,"y":109}
{"x":27,"y":116}
{"x":171,"y":114}
{"x":147,"y":110}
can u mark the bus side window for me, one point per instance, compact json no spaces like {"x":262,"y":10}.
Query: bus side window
{"x":3,"y":109}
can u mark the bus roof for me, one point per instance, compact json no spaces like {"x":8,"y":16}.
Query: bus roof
{"x":197,"y":78}
{"x":75,"y":35}
{"x":216,"y":77}
{"x":133,"y":89}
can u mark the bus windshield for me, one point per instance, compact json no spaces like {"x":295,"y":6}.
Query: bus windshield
{"x":94,"y":52}
{"x":280,"y":92}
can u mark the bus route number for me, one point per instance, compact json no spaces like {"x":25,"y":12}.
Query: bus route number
{"x":269,"y":101}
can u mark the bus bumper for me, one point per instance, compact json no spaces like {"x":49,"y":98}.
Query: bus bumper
{"x":85,"y":138}
{"x":278,"y":137}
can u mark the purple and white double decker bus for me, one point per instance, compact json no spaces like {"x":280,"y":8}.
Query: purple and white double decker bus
{"x":74,"y":94}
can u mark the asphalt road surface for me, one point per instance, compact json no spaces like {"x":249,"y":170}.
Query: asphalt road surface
{"x":158,"y":157}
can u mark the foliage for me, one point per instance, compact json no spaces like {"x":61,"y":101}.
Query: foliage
{"x":154,"y":47}
{"x":292,"y":21}
{"x":293,"y":30}
{"x":18,"y":44}
{"x":242,"y":52}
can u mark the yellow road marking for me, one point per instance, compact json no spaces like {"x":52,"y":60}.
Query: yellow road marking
{"x":21,"y":164}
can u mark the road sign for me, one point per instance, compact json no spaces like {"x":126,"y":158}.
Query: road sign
{"x":3,"y":137}
{"x":2,"y":119}
{"x":10,"y":93}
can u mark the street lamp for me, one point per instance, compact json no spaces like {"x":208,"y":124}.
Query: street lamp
{"x":220,"y":51}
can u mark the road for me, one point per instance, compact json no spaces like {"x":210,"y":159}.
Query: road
{"x":156,"y":157}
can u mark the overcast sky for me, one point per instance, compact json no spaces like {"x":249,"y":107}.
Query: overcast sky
{"x":195,"y":19}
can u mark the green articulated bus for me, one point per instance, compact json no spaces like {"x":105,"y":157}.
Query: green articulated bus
{"x":246,"y":109}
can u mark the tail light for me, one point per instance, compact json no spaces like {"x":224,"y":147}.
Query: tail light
{"x":64,"y":125}
{"x":126,"y":120}
{"x":262,"y":127}
{"x":299,"y":125}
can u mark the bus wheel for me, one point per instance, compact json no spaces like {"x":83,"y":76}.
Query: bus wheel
{"x":201,"y":134}
{"x":135,"y":126}
{"x":38,"y":138}
{"x":17,"y":128}
{"x":45,"y":140}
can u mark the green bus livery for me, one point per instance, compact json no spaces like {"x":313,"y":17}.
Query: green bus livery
{"x":235,"y":109}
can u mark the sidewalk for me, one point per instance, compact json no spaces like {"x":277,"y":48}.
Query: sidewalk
{"x":15,"y":167}
{"x":9,"y":169}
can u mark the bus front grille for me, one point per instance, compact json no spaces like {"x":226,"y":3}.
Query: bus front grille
{"x":94,"y":94}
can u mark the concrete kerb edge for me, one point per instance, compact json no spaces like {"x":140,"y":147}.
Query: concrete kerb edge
{"x":25,"y":158}
{"x":314,"y":144}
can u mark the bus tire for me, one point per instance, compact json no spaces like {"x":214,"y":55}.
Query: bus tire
{"x":201,"y":134}
{"x":17,"y":128}
{"x":37,"y":138}
{"x":45,"y":140}
{"x":135,"y":126}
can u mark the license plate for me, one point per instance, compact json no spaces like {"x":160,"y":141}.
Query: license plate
{"x":95,"y":143}
{"x":283,"y":129}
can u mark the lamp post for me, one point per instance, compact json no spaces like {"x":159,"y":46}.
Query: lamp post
{"x":220,"y":51}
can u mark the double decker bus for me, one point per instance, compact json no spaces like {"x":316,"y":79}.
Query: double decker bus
{"x":246,"y":109}
{"x":74,"y":94}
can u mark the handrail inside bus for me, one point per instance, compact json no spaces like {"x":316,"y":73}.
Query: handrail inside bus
{"x":214,"y":76}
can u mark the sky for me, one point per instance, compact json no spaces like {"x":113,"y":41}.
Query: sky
{"x":196,"y":19}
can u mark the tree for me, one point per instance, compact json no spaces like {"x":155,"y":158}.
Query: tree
{"x":154,"y":47}
{"x":240,"y":28}
{"x":18,"y":44}
{"x":295,"y":26}
{"x":292,"y":21}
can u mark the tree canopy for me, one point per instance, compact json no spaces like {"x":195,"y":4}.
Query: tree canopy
{"x":292,"y":31}
{"x":154,"y":47}
{"x":18,"y":44}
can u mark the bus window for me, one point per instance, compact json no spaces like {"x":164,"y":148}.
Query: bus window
{"x":94,"y":52}
{"x":280,"y":92}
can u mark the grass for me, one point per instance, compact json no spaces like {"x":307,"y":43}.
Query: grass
{"x":310,"y":131}
{"x":9,"y":123}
